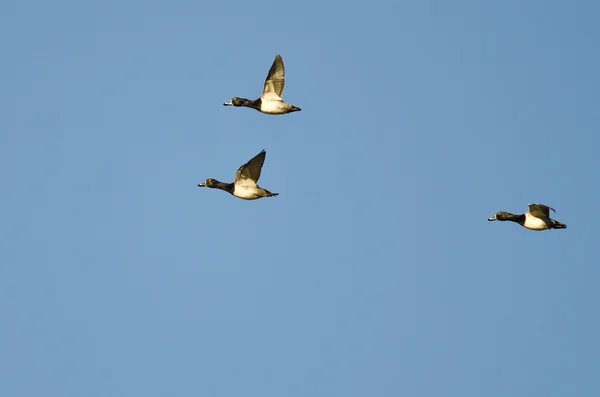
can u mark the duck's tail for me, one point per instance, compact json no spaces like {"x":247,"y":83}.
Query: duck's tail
{"x":269,"y":194}
{"x":295,"y":109}
{"x":558,"y":225}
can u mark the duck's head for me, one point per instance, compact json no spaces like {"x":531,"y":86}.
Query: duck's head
{"x":209,"y":183}
{"x":500,"y":216}
{"x":235,"y":102}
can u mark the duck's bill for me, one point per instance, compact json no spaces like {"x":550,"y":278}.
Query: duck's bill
{"x":203,"y":184}
{"x":493,"y":218}
{"x":228,"y":104}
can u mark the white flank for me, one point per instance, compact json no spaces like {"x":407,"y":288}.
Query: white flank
{"x":533,"y":223}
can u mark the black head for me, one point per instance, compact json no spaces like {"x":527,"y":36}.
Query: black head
{"x":501,"y":216}
{"x":209,"y":183}
{"x":235,"y":102}
{"x":213,"y":183}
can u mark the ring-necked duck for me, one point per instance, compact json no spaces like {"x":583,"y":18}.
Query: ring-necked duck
{"x":270,"y":102}
{"x":246,"y":179}
{"x":537,"y":218}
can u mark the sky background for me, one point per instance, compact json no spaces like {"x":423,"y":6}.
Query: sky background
{"x":375,"y":271}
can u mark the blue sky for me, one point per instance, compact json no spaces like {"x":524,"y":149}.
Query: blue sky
{"x":375,"y":271}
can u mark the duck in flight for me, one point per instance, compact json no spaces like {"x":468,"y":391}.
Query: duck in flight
{"x":270,"y":102}
{"x":537,"y":218}
{"x":245,"y":185}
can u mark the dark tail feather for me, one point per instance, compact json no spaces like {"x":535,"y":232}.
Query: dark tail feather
{"x":558,"y":225}
{"x":295,"y":109}
{"x":269,"y":194}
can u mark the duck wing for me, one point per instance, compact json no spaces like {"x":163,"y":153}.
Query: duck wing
{"x":251,"y":170}
{"x":540,"y":210}
{"x":275,"y":81}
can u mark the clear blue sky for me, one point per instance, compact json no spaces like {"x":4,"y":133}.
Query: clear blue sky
{"x":374,"y":273}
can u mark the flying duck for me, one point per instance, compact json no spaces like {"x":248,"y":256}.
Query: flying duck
{"x":270,"y":102}
{"x":246,"y":178}
{"x":537,"y":218}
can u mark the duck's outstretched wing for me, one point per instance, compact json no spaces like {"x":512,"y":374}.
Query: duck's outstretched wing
{"x":251,"y":170}
{"x":540,"y":210}
{"x":275,"y":81}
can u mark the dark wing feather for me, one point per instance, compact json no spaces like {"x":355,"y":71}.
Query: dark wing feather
{"x":275,"y":81}
{"x":540,"y":210}
{"x":251,"y":170}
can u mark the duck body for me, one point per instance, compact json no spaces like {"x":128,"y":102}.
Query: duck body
{"x":250,"y":191}
{"x":274,"y":106}
{"x":270,"y":102}
{"x":246,"y":191}
{"x":537,"y":218}
{"x":245,"y":185}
